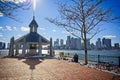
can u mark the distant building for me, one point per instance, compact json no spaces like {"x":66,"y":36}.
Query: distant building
{"x":56,"y":44}
{"x":61,"y":44}
{"x":88,"y":43}
{"x":106,"y":43}
{"x":92,"y":46}
{"x":2,"y":45}
{"x":57,"y":40}
{"x":68,"y":42}
{"x":78,"y":44}
{"x":98,"y":44}
{"x":116,"y":46}
{"x":8,"y":45}
{"x":73,"y":43}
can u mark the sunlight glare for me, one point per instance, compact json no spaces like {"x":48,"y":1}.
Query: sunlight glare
{"x":34,"y":5}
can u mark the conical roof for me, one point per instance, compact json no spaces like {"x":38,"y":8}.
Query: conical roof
{"x":33,"y":23}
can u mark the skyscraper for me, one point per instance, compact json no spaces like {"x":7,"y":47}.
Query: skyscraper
{"x":98,"y":44}
{"x":68,"y":42}
{"x":61,"y":42}
{"x":88,"y":43}
{"x":78,"y":44}
{"x":2,"y":45}
{"x":116,"y":46}
{"x":73,"y":43}
{"x":56,"y":44}
{"x":106,"y":43}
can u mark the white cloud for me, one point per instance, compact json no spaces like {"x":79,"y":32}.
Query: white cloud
{"x":15,"y":28}
{"x":1,"y":35}
{"x":1,"y":14}
{"x":18,"y":35}
{"x":109,"y":36}
{"x":9,"y":28}
{"x":44,"y":33}
{"x":25,"y":29}
{"x":65,"y":32}
{"x":1,"y":27}
{"x":54,"y":30}
{"x":18,"y":1}
{"x":42,"y":29}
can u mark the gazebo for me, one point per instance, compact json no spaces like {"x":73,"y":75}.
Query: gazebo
{"x":30,"y":44}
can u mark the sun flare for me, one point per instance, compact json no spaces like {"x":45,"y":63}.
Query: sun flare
{"x":34,"y":5}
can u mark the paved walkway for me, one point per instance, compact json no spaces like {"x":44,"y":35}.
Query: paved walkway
{"x":48,"y":69}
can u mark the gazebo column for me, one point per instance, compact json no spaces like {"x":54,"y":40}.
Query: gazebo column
{"x":40,"y":46}
{"x":24,"y":48}
{"x":17,"y":49}
{"x":51,"y":48}
{"x":11,"y":50}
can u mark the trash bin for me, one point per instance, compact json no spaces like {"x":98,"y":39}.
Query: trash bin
{"x":75,"y":58}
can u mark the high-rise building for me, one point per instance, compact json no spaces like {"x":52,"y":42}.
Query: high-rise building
{"x":116,"y":46}
{"x":106,"y":43}
{"x":61,"y":42}
{"x":8,"y":45}
{"x":73,"y":43}
{"x":92,"y":46}
{"x":68,"y":42}
{"x":2,"y":45}
{"x":88,"y":43}
{"x":78,"y":44}
{"x":56,"y":44}
{"x":98,"y":44}
{"x":57,"y":40}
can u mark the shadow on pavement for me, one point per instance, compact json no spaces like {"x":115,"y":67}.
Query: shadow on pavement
{"x":32,"y":62}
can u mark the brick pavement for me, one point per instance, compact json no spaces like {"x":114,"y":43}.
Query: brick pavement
{"x":48,"y":69}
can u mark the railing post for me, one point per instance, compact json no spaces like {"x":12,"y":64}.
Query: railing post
{"x":119,"y":60}
{"x":98,"y":58}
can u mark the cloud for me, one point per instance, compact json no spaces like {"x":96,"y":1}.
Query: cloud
{"x":1,"y":14}
{"x":9,"y":28}
{"x":18,"y":1}
{"x":44,"y":33}
{"x":42,"y":29}
{"x":19,"y":35}
{"x":109,"y":36}
{"x":1,"y":27}
{"x":14,"y":28}
{"x":25,"y":29}
{"x":54,"y":30}
{"x":1,"y":35}
{"x":65,"y":32}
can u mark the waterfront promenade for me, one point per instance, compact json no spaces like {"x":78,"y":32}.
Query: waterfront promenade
{"x":49,"y":69}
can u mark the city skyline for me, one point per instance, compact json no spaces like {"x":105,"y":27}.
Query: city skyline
{"x":47,"y":8}
{"x":72,"y":43}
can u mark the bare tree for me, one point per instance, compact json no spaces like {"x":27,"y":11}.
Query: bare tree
{"x":9,"y":7}
{"x":81,"y":19}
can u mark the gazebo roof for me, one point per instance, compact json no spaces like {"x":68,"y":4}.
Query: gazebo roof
{"x":32,"y":37}
{"x":33,"y":22}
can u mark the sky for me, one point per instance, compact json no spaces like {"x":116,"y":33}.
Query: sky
{"x":48,"y":9}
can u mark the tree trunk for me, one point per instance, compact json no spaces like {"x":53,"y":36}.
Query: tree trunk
{"x":85,"y":50}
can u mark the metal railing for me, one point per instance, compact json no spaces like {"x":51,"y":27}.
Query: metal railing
{"x":113,"y":60}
